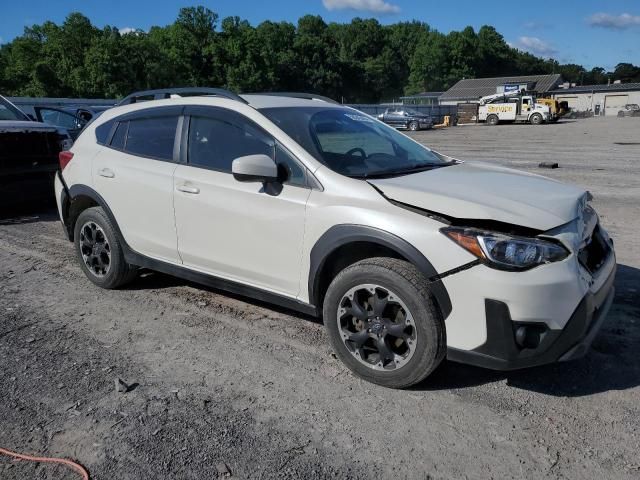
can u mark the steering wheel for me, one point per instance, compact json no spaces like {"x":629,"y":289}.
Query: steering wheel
{"x":357,"y":150}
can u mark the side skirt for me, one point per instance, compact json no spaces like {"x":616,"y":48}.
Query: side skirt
{"x":218,"y":283}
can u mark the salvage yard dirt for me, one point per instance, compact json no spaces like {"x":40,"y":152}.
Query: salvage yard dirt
{"x":170,"y":380}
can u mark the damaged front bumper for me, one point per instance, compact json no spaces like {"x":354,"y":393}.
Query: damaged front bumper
{"x":517,"y":320}
{"x":501,"y":350}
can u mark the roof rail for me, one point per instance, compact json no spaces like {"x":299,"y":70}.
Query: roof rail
{"x":307,"y":96}
{"x":162,"y":93}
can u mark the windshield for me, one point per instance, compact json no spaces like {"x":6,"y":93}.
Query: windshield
{"x":8,"y":111}
{"x":352,"y":143}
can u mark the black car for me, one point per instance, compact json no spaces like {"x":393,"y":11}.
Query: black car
{"x":72,"y":118}
{"x":401,"y":117}
{"x":28,"y":157}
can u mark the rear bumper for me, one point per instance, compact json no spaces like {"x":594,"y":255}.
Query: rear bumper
{"x":502,"y":352}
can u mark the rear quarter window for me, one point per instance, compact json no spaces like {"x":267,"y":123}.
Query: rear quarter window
{"x":119,"y":136}
{"x":103,"y":131}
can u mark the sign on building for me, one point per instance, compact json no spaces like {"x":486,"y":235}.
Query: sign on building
{"x":515,"y":87}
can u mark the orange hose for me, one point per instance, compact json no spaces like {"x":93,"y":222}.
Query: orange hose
{"x":75,"y":466}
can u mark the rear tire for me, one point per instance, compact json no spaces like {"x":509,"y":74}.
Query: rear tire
{"x":99,"y":250}
{"x":386,"y":303}
{"x":493,"y":120}
{"x":536,"y":119}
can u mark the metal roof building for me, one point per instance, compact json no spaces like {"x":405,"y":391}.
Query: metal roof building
{"x":600,"y":99}
{"x":471,"y":89}
{"x":613,"y":87}
{"x":424,"y":98}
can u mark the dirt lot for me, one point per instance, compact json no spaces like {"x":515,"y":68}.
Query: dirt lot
{"x":217,"y":379}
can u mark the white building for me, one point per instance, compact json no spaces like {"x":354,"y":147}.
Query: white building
{"x":601,"y":99}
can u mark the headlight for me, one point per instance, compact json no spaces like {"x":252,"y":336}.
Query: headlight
{"x":506,"y":252}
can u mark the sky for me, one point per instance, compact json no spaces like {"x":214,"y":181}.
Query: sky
{"x":588,"y":32}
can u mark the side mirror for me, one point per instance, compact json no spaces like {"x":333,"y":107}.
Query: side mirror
{"x":255,"y":168}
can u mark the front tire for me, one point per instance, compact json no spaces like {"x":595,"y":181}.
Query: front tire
{"x":99,"y":251}
{"x":384,"y":323}
{"x":536,"y":119}
{"x":413,"y":126}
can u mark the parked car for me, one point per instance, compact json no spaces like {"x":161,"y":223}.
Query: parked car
{"x":28,"y":157}
{"x":630,"y":110}
{"x":409,"y":255}
{"x":401,"y":117}
{"x":72,"y":118}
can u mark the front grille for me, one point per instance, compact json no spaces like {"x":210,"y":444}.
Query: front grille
{"x":595,"y":252}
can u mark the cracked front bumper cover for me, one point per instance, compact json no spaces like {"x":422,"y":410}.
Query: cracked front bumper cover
{"x":501,"y":352}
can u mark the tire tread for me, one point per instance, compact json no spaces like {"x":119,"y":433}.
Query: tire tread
{"x":420,"y":285}
{"x":123,"y":273}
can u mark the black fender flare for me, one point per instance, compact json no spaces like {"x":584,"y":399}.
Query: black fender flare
{"x":84,"y":190}
{"x":340,"y":235}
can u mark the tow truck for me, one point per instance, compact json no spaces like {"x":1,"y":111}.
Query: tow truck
{"x":512,"y":107}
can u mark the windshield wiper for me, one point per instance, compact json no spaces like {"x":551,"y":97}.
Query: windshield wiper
{"x":403,"y":171}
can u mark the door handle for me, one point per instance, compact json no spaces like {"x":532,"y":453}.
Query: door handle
{"x":107,"y":173}
{"x":187,"y":189}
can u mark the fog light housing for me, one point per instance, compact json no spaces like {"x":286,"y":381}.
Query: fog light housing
{"x":528,"y":336}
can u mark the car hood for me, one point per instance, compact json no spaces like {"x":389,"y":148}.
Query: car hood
{"x":480,"y":191}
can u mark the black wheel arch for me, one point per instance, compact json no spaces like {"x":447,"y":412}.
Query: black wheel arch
{"x":338,"y":237}
{"x":79,"y":198}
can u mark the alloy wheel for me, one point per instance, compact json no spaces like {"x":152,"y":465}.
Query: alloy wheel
{"x":376,"y":327}
{"x":95,"y":249}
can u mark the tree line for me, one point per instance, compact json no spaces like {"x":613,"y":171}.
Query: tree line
{"x":359,"y":62}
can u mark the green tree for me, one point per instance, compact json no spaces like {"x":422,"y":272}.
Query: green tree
{"x":626,"y":72}
{"x":596,"y":76}
{"x":430,"y":64}
{"x":360,"y":61}
{"x":245,"y":69}
{"x":275,"y":45}
{"x":462,"y":55}
{"x":494,"y":57}
{"x":191,"y":46}
{"x":315,"y":57}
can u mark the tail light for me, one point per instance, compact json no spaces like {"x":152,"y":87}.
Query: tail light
{"x":64,"y":158}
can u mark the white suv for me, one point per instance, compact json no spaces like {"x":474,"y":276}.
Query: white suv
{"x":409,"y":255}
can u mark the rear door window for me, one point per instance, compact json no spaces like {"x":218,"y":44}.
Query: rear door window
{"x":152,"y":137}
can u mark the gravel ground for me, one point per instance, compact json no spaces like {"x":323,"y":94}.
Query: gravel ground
{"x":223,"y":386}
